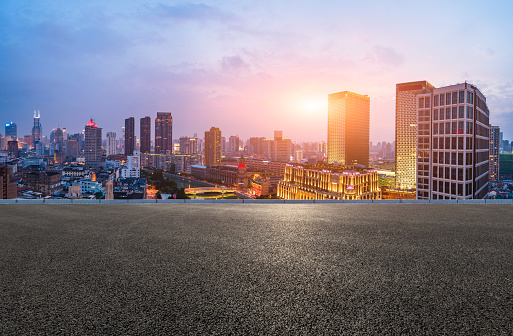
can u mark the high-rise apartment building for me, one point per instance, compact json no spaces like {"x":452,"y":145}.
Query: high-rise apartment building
{"x":11,"y":130}
{"x":37,"y":130}
{"x":93,"y":145}
{"x":452,"y":143}
{"x":145,"y":135}
{"x":163,"y":133}
{"x":406,"y":131}
{"x":73,"y":146}
{"x":348,"y":128}
{"x":259,"y":145}
{"x":233,"y":144}
{"x":280,"y":149}
{"x":494,"y":153}
{"x":111,"y":143}
{"x":188,"y":145}
{"x":129,"y":136}
{"x":213,"y":147}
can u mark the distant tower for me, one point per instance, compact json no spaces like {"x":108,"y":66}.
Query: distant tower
{"x":163,"y":133}
{"x":129,"y":136}
{"x":145,"y":134}
{"x":93,"y":145}
{"x":109,"y":190}
{"x":348,"y":128}
{"x":36,"y":129}
{"x":213,"y":147}
{"x":11,"y":130}
{"x":494,"y":153}
{"x":111,"y":143}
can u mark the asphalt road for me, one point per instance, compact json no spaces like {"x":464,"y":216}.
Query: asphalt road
{"x":256,"y":269}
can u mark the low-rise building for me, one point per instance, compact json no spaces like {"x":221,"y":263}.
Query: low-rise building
{"x":329,"y":182}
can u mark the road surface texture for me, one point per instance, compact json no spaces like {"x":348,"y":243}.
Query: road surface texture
{"x":256,"y":269}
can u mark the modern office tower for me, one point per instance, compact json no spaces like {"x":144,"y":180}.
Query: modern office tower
{"x":506,"y":167}
{"x":11,"y":130}
{"x":452,"y":143}
{"x":111,"y":143}
{"x":73,"y":146}
{"x":36,"y":129}
{"x":213,"y":147}
{"x":233,"y":144}
{"x":163,"y":133}
{"x":129,"y":136}
{"x":59,"y":140}
{"x":329,"y":182}
{"x":259,"y":145}
{"x":145,"y":135}
{"x":93,"y":145}
{"x":494,"y":153}
{"x":348,"y":128}
{"x":280,"y":149}
{"x":188,"y":145}
{"x":406,"y":131}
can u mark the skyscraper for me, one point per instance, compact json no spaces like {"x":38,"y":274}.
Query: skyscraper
{"x":129,"y":136}
{"x":59,"y":140}
{"x":145,"y":134}
{"x":93,"y":145}
{"x":11,"y":130}
{"x":163,"y":133}
{"x":36,"y":129}
{"x":406,"y":131}
{"x":348,"y":128}
{"x":494,"y":153}
{"x":452,"y":143}
{"x":233,"y":144}
{"x":188,"y":145}
{"x":213,"y":146}
{"x":111,"y":143}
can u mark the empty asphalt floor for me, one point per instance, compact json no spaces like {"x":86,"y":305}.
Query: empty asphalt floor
{"x":256,"y":269}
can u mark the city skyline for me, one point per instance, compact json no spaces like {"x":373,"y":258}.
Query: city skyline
{"x":213,"y":61}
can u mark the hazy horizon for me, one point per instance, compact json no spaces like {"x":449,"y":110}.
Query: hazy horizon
{"x":247,"y":68}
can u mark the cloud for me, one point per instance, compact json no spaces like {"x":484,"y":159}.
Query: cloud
{"x":234,"y":64}
{"x":484,"y":51}
{"x":191,"y":12}
{"x":385,"y":56}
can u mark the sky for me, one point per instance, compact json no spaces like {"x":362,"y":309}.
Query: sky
{"x":247,"y":67}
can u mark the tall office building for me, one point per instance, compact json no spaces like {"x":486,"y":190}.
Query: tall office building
{"x":348,"y":128}
{"x":93,"y":145}
{"x":188,"y":145}
{"x":494,"y":153}
{"x":129,"y":136}
{"x":452,"y":143}
{"x":213,"y":146}
{"x":111,"y":143}
{"x":11,"y":130}
{"x":59,"y":140}
{"x":406,"y":131}
{"x":145,"y":135}
{"x":279,"y":149}
{"x":163,"y":133}
{"x":259,"y":145}
{"x":73,"y":145}
{"x":36,"y":129}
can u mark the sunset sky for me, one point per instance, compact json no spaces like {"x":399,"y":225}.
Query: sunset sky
{"x":247,"y":67}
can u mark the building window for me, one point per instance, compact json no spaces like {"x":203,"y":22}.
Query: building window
{"x":435,"y":101}
{"x":435,"y":129}
{"x":460,"y":142}
{"x":447,"y":160}
{"x":462,"y":97}
{"x":455,"y":98}
{"x":461,"y":112}
{"x":447,"y":143}
{"x":435,"y":114}
{"x":453,"y":158}
{"x":454,"y":127}
{"x":421,"y":102}
{"x":470,"y":127}
{"x":442,"y":99}
{"x":454,"y":112}
{"x":470,"y":97}
{"x":460,"y":127}
{"x":428,"y":102}
{"x":448,"y":113}
{"x":469,"y":112}
{"x":448,"y":99}
{"x":441,"y":114}
{"x":460,"y":160}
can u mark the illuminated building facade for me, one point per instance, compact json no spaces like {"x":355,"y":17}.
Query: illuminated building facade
{"x":129,"y":136}
{"x":93,"y":145}
{"x":337,"y":182}
{"x":452,"y":143}
{"x":111,"y":143}
{"x":188,"y":145}
{"x":37,"y":130}
{"x":406,"y":131}
{"x":163,"y":133}
{"x":280,"y":149}
{"x":494,"y":153}
{"x":348,"y":128}
{"x":213,"y":147}
{"x":11,"y":130}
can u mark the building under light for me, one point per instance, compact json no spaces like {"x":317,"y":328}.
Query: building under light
{"x":348,"y":128}
{"x":329,"y":182}
{"x":494,"y":153}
